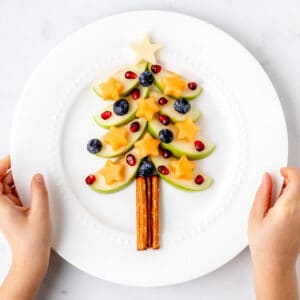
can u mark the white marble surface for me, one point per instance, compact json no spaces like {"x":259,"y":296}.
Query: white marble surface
{"x":29,"y":29}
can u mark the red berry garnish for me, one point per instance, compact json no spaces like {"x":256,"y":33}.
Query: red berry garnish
{"x":130,"y":75}
{"x":135,"y":94}
{"x":165,"y":153}
{"x":199,"y":179}
{"x":130,"y":159}
{"x":106,"y":115}
{"x":162,"y":100}
{"x":90,"y":179}
{"x":163,"y":119}
{"x":199,"y":145}
{"x":134,"y":126}
{"x":192,"y":85}
{"x":155,"y":68}
{"x":163,"y":170}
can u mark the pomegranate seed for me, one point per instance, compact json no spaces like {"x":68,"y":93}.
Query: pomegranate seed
{"x":165,"y":120}
{"x":199,"y":145}
{"x":130,"y":75}
{"x":163,"y":170}
{"x":130,"y":159}
{"x":155,"y":68}
{"x":134,"y":127}
{"x":192,"y":85}
{"x":162,"y":100}
{"x":165,"y":153}
{"x":199,"y":179}
{"x":135,"y":94}
{"x":106,"y":115}
{"x":90,"y":179}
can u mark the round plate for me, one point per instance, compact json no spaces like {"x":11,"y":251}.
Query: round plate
{"x":199,"y":231}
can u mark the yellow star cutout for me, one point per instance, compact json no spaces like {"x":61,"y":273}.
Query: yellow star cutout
{"x":111,"y":89}
{"x":144,"y":51}
{"x":147,"y":108}
{"x":186,"y":130}
{"x":182,"y":168}
{"x":147,"y":146}
{"x":173,"y":85}
{"x":117,"y":137}
{"x":113,"y":172}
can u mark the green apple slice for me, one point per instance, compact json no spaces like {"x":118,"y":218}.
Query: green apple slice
{"x":187,"y":92}
{"x":129,"y":84}
{"x":108,"y":152}
{"x":144,"y":92}
{"x":168,"y":109}
{"x":180,"y":147}
{"x":184,"y":184}
{"x":116,"y":120}
{"x":100,"y":184}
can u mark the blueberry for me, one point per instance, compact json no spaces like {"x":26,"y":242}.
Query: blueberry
{"x":166,"y":135}
{"x":146,"y":78}
{"x":182,"y":106}
{"x":121,"y":107}
{"x":146,"y":168}
{"x":94,"y":146}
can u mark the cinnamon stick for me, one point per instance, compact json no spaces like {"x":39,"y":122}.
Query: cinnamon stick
{"x":155,"y":212}
{"x":149,"y":211}
{"x":141,"y":213}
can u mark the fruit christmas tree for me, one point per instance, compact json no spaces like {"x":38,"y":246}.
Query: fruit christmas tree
{"x":151,"y":127}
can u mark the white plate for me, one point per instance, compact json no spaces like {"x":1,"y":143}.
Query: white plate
{"x":200,"y":231}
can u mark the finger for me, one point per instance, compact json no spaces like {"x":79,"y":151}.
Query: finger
{"x":291,"y":180}
{"x":14,"y":192}
{"x":14,"y":199}
{"x":5,"y":207}
{"x":8,"y":179}
{"x":1,"y":188}
{"x":262,"y":199}
{"x":4,"y":166}
{"x":39,"y":197}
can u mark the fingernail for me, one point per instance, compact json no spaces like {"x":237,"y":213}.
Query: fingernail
{"x":39,"y":178}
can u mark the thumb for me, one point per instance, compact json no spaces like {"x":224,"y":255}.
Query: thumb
{"x":39,"y":196}
{"x":262,"y":199}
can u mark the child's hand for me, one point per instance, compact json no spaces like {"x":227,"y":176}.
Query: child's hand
{"x":274,"y":237}
{"x":28,"y":232}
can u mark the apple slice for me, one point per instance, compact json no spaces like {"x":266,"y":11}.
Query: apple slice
{"x":115,"y":120}
{"x":129,"y":84}
{"x":108,"y":152}
{"x":187,"y":92}
{"x":100,"y":184}
{"x":169,"y":110}
{"x":180,"y":147}
{"x":189,"y":185}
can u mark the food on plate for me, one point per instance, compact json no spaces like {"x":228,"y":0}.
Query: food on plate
{"x":152,"y":133}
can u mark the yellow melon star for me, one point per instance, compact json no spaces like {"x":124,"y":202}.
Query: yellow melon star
{"x":113,"y":172}
{"x":173,"y":85}
{"x":186,"y":130}
{"x":182,"y":168}
{"x":147,"y":146}
{"x":111,"y":89}
{"x":117,"y":137}
{"x":145,"y":51}
{"x":147,"y":108}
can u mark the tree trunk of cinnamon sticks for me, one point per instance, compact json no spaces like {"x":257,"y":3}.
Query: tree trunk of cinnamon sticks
{"x":147,"y":212}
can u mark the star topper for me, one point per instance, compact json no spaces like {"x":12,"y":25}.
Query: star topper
{"x":145,"y":50}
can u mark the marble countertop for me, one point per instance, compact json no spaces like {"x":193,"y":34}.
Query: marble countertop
{"x":269,"y":29}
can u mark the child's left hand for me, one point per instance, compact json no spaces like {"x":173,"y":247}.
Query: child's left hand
{"x":27,"y":230}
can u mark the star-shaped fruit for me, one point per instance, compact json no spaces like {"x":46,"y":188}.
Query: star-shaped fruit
{"x":147,"y":146}
{"x":145,"y":51}
{"x":182,"y":168}
{"x":186,"y":130}
{"x":111,"y":89}
{"x":147,"y":108}
{"x":117,"y":137}
{"x":113,"y":172}
{"x":173,"y":85}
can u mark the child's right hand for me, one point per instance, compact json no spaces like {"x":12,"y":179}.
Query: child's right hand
{"x":274,"y":237}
